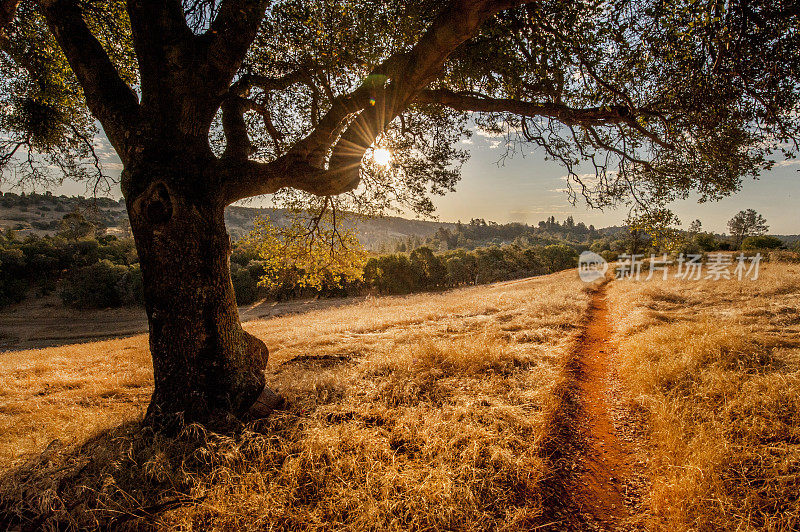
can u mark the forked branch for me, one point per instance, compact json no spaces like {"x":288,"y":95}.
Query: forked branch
{"x":108,"y":97}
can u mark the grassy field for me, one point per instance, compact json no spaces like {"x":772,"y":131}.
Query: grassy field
{"x":713,"y":368}
{"x":433,"y":412}
{"x":39,"y":322}
{"x":422,"y":412}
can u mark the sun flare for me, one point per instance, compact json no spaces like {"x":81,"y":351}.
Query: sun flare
{"x":382,"y":156}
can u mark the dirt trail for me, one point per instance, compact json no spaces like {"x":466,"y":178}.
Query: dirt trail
{"x":600,"y":490}
{"x":595,"y":475}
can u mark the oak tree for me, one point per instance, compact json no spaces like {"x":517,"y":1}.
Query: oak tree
{"x":746,"y":223}
{"x":208,"y":102}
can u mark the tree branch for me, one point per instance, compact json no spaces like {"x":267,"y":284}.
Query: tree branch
{"x":588,"y":116}
{"x":229,"y":37}
{"x":238,"y":145}
{"x":266,"y":117}
{"x":109,"y":98}
{"x":162,"y":39}
{"x":246,"y":178}
{"x":354,"y":121}
{"x":568,"y":115}
{"x":455,"y":24}
{"x":408,"y":73}
{"x":249,"y":81}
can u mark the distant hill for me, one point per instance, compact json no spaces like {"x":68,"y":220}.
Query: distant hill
{"x":42,"y":214}
{"x":372,"y":232}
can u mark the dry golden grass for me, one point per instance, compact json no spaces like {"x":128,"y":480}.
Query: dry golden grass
{"x":715,"y":368}
{"x":69,"y":392}
{"x":424,"y":412}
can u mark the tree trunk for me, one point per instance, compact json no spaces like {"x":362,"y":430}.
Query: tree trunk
{"x":206,"y":366}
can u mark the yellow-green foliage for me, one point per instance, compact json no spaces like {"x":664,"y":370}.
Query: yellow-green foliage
{"x":659,"y":226}
{"x":310,"y":251}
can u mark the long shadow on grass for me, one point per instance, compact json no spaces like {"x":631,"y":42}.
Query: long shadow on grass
{"x":121,"y":478}
{"x":561,"y":449}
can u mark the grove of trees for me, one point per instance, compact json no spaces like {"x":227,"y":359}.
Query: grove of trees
{"x":85,"y":272}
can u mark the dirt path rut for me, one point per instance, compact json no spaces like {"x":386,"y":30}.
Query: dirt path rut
{"x":590,"y":462}
{"x":606,"y":463}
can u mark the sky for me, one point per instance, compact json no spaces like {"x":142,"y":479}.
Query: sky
{"x":528,"y":189}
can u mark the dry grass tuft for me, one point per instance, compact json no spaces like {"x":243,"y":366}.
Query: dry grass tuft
{"x":423,"y":412}
{"x":721,"y":389}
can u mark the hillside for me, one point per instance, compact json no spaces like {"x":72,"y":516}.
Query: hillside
{"x":372,"y":232}
{"x":659,"y":405}
{"x":41,"y":214}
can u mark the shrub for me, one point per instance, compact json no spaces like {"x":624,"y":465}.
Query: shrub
{"x":390,"y":274}
{"x":102,"y":285}
{"x":558,"y":257}
{"x":243,"y":255}
{"x":461,"y":268}
{"x":12,"y":290}
{"x":82,"y":252}
{"x":427,"y":269}
{"x":245,"y":286}
{"x":784,"y":256}
{"x":686,"y":246}
{"x":608,"y":255}
{"x":761,"y":242}
{"x":705,"y":241}
{"x":12,"y":282}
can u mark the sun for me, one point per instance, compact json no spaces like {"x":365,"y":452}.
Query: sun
{"x":382,"y":156}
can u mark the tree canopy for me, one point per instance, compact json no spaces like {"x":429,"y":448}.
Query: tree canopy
{"x":746,"y":223}
{"x":639,"y":99}
{"x":299,"y":255}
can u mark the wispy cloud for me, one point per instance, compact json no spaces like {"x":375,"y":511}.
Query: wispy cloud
{"x":549,"y":209}
{"x":481,"y":132}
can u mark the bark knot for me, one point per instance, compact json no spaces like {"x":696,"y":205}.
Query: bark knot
{"x":156,"y":204}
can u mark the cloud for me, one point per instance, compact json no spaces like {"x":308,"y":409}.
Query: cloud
{"x":481,"y":132}
{"x":549,"y":209}
{"x":589,"y":179}
{"x":790,"y":162}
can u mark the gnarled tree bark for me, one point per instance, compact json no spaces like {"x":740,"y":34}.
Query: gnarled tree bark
{"x":205,"y":365}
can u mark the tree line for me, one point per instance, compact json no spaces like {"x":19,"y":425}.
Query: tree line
{"x":87,"y":269}
{"x":482,"y":233}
